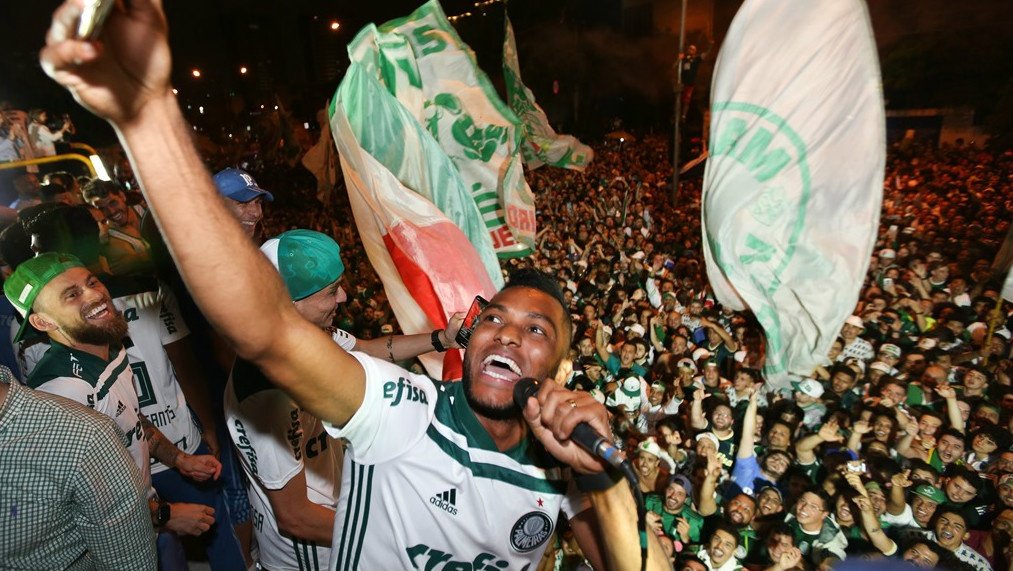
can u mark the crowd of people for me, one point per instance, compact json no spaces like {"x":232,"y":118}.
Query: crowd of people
{"x":897,"y":448}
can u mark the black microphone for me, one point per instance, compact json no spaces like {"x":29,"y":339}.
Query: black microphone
{"x":583,"y":435}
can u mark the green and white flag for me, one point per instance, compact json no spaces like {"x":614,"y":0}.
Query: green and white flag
{"x":794,"y":183}
{"x":392,"y":133}
{"x":541,"y":144}
{"x":391,"y":165}
{"x":433,"y":73}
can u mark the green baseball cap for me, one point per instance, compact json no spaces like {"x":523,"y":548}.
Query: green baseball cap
{"x":308,"y":261}
{"x":930,"y":493}
{"x":24,"y":285}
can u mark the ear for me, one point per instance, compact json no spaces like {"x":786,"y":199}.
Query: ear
{"x":42,"y":322}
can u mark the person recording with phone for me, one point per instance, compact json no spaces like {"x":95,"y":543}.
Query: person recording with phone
{"x":41,"y":137}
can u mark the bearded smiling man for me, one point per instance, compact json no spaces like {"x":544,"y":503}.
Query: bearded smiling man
{"x":87,"y":363}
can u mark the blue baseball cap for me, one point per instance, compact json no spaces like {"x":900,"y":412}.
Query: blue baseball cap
{"x":238,"y":185}
{"x":308,"y":261}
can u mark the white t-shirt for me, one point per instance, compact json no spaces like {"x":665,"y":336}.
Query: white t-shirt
{"x":275,"y":440}
{"x":153,"y":324}
{"x":424,"y":487}
{"x":43,"y":139}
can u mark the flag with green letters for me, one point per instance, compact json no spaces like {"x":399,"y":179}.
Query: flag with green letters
{"x":434,"y":75}
{"x":794,"y":183}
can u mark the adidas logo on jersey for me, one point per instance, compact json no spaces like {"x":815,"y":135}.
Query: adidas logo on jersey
{"x":446,"y":501}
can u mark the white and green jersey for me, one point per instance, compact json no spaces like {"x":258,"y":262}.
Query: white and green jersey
{"x":153,"y":318}
{"x":106,"y":386}
{"x":424,"y":486}
{"x":275,"y":440}
{"x":153,"y":324}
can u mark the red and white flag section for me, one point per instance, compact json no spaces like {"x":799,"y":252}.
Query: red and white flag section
{"x":428,"y":266}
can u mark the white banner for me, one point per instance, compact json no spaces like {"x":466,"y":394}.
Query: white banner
{"x":793,"y":185}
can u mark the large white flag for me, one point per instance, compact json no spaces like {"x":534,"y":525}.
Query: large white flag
{"x":793,"y":185}
{"x":542,"y":145}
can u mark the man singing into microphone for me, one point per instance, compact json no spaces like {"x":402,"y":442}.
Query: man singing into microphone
{"x":455,"y":476}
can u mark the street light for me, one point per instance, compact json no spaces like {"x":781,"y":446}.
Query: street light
{"x":335,"y":25}
{"x":243,"y":70}
{"x":195,"y":72}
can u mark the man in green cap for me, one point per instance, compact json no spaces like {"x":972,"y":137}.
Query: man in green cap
{"x":87,"y":363}
{"x":919,"y":511}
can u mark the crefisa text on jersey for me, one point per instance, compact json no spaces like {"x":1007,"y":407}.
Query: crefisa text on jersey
{"x":403,"y":389}
{"x":424,"y":557}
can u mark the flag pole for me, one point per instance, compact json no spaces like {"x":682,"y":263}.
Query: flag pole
{"x":678,"y":106}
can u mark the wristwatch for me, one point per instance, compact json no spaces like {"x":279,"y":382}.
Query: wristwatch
{"x":162,"y":513}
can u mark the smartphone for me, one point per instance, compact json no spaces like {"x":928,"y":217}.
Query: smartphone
{"x":470,"y":321}
{"x":857,"y":467}
{"x":93,"y":15}
{"x":669,"y":265}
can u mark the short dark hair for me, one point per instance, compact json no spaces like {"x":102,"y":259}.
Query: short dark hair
{"x":961,"y":471}
{"x":951,"y":509}
{"x":842,"y":368}
{"x":50,"y":190}
{"x":67,"y":229}
{"x":543,"y":282}
{"x":785,"y":453}
{"x":951,"y":431}
{"x":15,"y":245}
{"x":751,"y":373}
{"x":729,"y":529}
{"x":828,"y":504}
{"x":100,"y":189}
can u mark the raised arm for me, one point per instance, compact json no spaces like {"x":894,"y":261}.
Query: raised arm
{"x":656,"y":322}
{"x":805,"y":448}
{"x":400,"y":347}
{"x":599,"y":341}
{"x":618,"y":519}
{"x":696,"y":417}
{"x":748,"y":441}
{"x":125,"y":79}
{"x":899,"y":484}
{"x":726,"y":338}
{"x":952,"y":410}
{"x":858,"y":430}
{"x":706,"y":505}
{"x":867,"y":517}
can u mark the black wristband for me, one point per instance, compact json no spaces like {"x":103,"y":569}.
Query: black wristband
{"x":436,"y":341}
{"x":597,"y":482}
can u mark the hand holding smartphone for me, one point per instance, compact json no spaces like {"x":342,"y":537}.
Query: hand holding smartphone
{"x":93,"y":16}
{"x":470,"y":321}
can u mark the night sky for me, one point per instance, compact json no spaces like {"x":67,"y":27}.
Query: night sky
{"x":953,"y":50}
